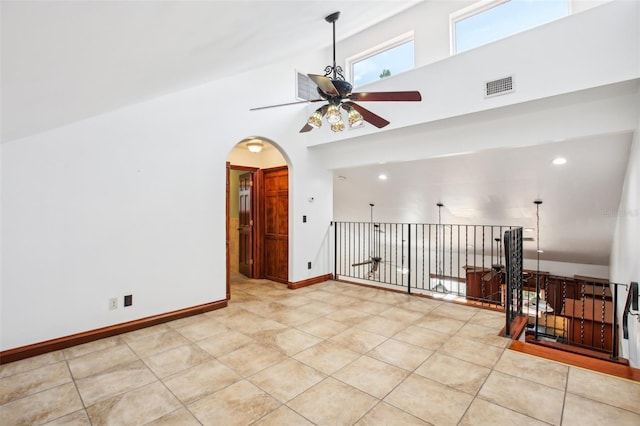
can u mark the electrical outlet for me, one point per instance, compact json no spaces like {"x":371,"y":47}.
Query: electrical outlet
{"x":113,"y":303}
{"x":128,"y":300}
{"x":308,"y":265}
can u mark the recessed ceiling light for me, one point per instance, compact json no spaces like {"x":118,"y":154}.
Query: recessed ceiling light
{"x":559,"y":161}
{"x":529,"y":229}
{"x":382,"y":177}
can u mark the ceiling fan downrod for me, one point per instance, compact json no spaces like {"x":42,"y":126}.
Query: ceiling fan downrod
{"x":333,"y":69}
{"x":333,"y":88}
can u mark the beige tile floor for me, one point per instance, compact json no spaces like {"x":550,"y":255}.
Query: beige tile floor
{"x":328,"y":354}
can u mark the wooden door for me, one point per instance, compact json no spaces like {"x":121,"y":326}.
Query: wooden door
{"x":245,"y":225}
{"x":276,"y":224}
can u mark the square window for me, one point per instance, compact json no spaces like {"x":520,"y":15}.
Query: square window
{"x":382,"y":61}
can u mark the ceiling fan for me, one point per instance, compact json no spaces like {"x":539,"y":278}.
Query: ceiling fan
{"x":336,"y":91}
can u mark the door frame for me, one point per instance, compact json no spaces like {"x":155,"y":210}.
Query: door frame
{"x":256,"y":209}
{"x":262,"y":213}
{"x":246,"y":224}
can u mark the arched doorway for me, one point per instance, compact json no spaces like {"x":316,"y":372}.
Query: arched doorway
{"x":257,"y":212}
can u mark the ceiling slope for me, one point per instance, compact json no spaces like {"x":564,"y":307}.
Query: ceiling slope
{"x":63,"y":61}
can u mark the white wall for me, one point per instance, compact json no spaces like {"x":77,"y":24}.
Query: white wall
{"x":430,"y":23}
{"x":625,"y":252}
{"x":577,"y":6}
{"x":594,"y":48}
{"x":567,"y":269}
{"x":132,"y":202}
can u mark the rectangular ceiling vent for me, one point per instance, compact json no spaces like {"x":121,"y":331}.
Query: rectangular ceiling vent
{"x":305,"y":88}
{"x":501,"y":86}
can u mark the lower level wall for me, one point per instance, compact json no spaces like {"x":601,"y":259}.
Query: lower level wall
{"x":625,"y":252}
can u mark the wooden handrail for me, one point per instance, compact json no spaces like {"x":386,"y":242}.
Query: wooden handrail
{"x":591,"y":279}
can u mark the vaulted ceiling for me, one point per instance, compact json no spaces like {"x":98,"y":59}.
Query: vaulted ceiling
{"x":67,"y":60}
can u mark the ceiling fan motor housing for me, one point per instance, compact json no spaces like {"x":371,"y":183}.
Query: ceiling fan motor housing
{"x":332,"y":18}
{"x":343,"y":87}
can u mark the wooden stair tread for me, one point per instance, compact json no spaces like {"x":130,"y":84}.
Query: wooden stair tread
{"x":617,"y":368}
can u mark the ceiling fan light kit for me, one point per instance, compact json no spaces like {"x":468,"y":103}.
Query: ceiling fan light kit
{"x":338,"y":126}
{"x":355,"y":118}
{"x":333,"y":89}
{"x":333,"y":114}
{"x":315,"y":120}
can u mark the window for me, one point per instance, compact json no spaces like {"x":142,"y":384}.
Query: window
{"x":382,"y":61}
{"x":491,"y":20}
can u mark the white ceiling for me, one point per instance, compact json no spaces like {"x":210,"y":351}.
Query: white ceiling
{"x":67,"y":60}
{"x":498,"y":187}
{"x":63,"y":61}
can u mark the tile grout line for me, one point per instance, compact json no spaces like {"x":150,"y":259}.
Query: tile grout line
{"x":390,"y":304}
{"x":75,"y":385}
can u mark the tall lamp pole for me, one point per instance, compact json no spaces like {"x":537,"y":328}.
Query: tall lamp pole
{"x":537,"y":203}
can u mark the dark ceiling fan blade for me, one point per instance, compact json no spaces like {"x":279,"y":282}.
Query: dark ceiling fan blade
{"x":496,"y":269}
{"x":409,"y":96}
{"x":368,"y":116}
{"x":489,"y":276}
{"x":325,"y":84}
{"x":290,"y":103}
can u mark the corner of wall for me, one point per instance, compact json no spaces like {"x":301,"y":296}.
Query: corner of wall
{"x":626,"y":246}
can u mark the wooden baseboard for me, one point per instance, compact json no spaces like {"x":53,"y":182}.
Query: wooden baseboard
{"x":516,"y":328}
{"x":617,"y":369}
{"x":376,"y":287}
{"x":28,"y":351}
{"x":310,"y":281}
{"x":592,"y":353}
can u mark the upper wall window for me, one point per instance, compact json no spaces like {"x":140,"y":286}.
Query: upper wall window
{"x":390,"y":58}
{"x":491,"y":20}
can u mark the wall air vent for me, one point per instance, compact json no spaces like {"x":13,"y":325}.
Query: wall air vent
{"x":501,"y":86}
{"x":305,"y":88}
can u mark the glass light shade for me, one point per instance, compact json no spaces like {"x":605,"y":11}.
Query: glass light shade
{"x":338,"y":126}
{"x":333,"y":114}
{"x":355,"y":118}
{"x":316,"y":119}
{"x":254,"y":146}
